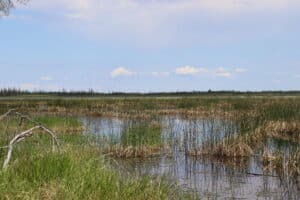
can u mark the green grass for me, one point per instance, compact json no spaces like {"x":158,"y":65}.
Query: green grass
{"x":142,"y":134}
{"x":75,"y":173}
{"x":79,"y":171}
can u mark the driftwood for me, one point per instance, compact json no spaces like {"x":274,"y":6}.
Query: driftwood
{"x":25,"y":134}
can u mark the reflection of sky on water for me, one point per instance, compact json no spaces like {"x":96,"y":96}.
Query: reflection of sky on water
{"x":210,"y":179}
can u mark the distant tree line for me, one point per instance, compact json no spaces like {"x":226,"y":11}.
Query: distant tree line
{"x":6,"y":92}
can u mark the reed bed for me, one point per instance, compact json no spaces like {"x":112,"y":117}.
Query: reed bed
{"x":145,"y":107}
{"x":286,"y":166}
{"x":230,"y":129}
{"x":283,"y":130}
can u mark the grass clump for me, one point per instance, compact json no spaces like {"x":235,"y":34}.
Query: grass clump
{"x":142,"y":134}
{"x":75,"y":173}
{"x":61,"y":124}
{"x":138,"y":140}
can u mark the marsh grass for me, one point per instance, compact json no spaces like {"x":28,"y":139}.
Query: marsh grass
{"x":278,"y":107}
{"x":142,"y":133}
{"x":277,"y":119}
{"x":75,"y":173}
{"x":257,"y":120}
{"x":138,"y":139}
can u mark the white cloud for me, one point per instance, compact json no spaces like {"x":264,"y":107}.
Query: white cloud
{"x":46,"y":78}
{"x":190,"y":70}
{"x":185,"y":70}
{"x":157,"y":20}
{"x":160,"y":74}
{"x":297,"y":76}
{"x":121,"y":71}
{"x":179,"y":6}
{"x":221,"y":72}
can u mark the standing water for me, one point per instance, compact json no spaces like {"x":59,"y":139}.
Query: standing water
{"x":205,"y":177}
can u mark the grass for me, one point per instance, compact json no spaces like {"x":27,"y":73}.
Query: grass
{"x":211,"y":105}
{"x":77,"y":171}
{"x":259,"y":120}
{"x":142,"y":134}
{"x":138,"y":140}
{"x":74,"y":173}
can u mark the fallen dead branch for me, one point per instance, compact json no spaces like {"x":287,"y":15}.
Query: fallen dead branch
{"x":6,"y":114}
{"x":21,"y":136}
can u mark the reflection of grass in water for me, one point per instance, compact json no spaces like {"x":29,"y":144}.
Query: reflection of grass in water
{"x":142,"y":134}
{"x":279,"y":119}
{"x":139,"y":139}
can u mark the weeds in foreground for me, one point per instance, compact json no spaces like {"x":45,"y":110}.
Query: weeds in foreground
{"x":76,"y":173}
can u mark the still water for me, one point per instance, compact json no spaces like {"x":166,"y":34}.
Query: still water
{"x":207,"y":178}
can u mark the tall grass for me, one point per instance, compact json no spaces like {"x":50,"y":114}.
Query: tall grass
{"x":75,"y":173}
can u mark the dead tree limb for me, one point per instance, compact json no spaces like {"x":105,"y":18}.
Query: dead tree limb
{"x":24,"y":135}
{"x":22,"y":116}
{"x":6,"y":114}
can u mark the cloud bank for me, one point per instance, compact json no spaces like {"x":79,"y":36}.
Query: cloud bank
{"x":163,"y":22}
{"x":182,"y":71}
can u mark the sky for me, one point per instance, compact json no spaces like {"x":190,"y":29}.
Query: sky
{"x":151,"y":45}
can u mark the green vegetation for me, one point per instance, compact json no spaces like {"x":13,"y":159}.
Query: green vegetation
{"x":282,"y":106}
{"x":142,"y":134}
{"x":141,"y":140}
{"x":76,"y":171}
{"x":79,"y":171}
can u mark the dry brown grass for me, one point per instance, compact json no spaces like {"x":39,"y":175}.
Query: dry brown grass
{"x":245,"y":145}
{"x":142,"y":151}
{"x":284,"y":166}
{"x":235,"y":150}
{"x":288,"y":131}
{"x":235,"y":147}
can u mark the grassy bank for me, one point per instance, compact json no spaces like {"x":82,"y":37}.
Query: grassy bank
{"x":77,"y":170}
{"x":75,"y":173}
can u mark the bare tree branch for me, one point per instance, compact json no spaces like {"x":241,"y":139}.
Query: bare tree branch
{"x":6,"y":114}
{"x":24,"y":135}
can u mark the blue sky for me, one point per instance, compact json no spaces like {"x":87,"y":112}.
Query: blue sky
{"x":157,"y":45}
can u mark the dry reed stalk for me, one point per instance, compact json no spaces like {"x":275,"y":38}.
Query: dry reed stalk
{"x":288,"y":131}
{"x":142,"y":151}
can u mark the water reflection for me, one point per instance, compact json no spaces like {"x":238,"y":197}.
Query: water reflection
{"x":211,"y":179}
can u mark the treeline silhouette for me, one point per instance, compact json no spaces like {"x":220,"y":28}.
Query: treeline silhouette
{"x":6,"y":92}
